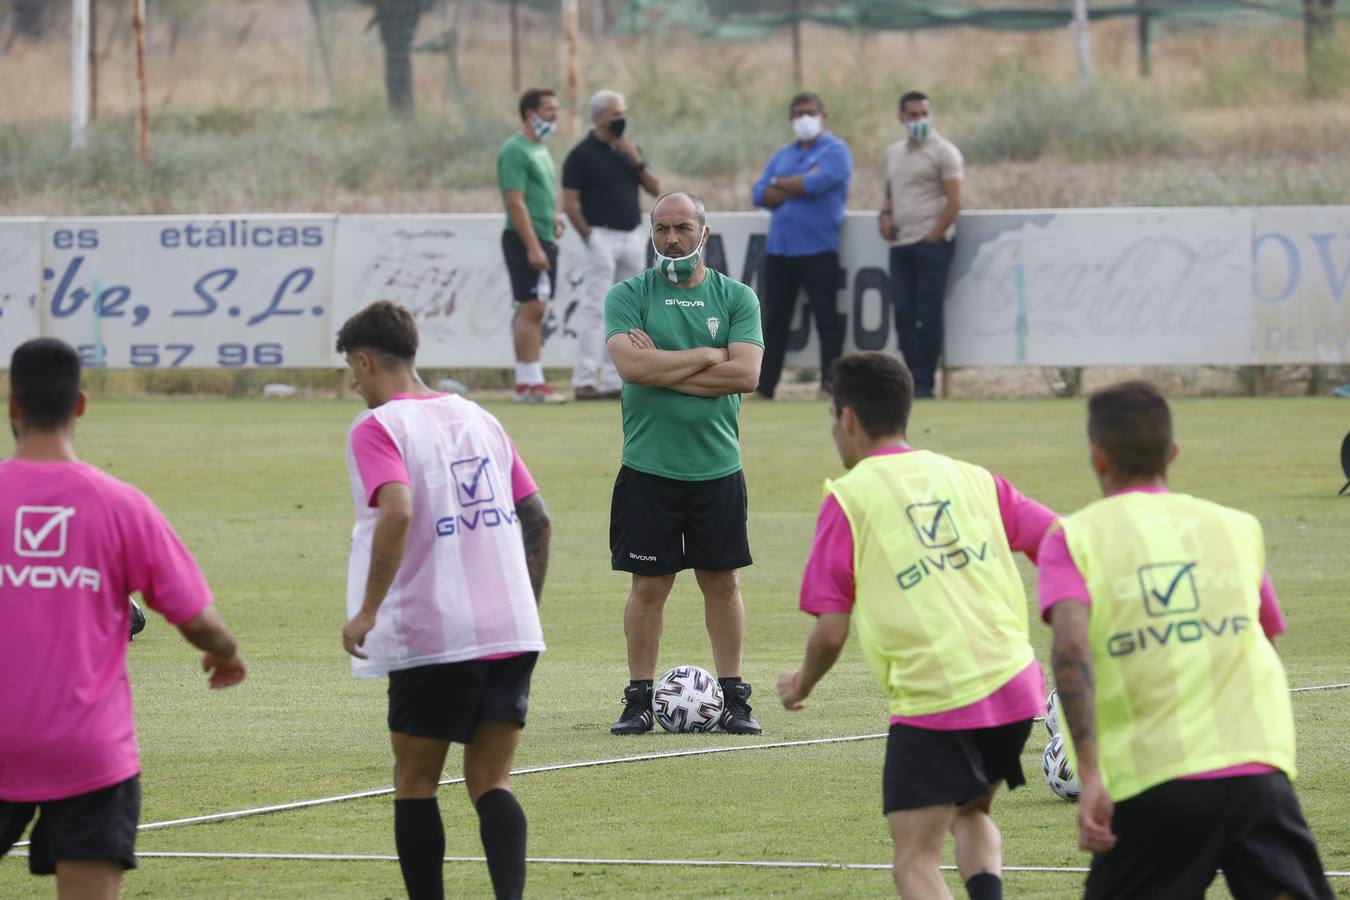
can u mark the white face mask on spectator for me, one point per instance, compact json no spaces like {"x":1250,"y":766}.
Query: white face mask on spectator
{"x":807,"y":128}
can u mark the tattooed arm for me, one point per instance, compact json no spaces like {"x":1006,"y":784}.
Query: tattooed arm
{"x":1071,"y":656}
{"x":535,"y":532}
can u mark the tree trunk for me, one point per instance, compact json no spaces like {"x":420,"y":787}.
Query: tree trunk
{"x":30,"y":17}
{"x":398,"y":24}
{"x":1319,"y":25}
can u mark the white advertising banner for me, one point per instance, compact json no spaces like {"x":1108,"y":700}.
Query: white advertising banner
{"x":1302,"y":285}
{"x":1101,"y":287}
{"x":1052,"y":288}
{"x":20,"y":283}
{"x":192,"y":292}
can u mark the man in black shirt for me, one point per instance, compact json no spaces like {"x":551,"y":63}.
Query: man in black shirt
{"x":601,"y":177}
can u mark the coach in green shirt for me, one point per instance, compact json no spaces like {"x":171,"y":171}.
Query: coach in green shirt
{"x":687,"y":342}
{"x":529,"y":185}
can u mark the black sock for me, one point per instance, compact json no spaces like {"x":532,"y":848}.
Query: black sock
{"x":985,"y":886}
{"x":420,"y":839}
{"x":728,"y":683}
{"x":501,"y":824}
{"x":644,"y":683}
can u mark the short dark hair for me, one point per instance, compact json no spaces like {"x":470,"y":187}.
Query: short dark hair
{"x":44,"y":377}
{"x":530,"y":100}
{"x":384,"y":328}
{"x":806,"y":97}
{"x":912,"y":97}
{"x":878,"y":388}
{"x":699,"y":209}
{"x":1132,"y":424}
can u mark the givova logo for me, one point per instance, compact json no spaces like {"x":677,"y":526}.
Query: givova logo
{"x":41,"y":532}
{"x":687,"y":304}
{"x":1169,"y":592}
{"x":937,"y":530}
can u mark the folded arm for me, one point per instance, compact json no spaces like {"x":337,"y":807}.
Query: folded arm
{"x":640,"y":362}
{"x":739,"y":374}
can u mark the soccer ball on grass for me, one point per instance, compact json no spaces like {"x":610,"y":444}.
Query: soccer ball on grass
{"x":1058,"y":773}
{"x":687,"y":698}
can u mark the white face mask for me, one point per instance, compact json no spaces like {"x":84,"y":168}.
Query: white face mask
{"x":919,"y":129}
{"x":808,"y":128}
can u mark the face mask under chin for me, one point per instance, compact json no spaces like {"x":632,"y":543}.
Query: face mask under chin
{"x":678,"y":269}
{"x":542,"y":129}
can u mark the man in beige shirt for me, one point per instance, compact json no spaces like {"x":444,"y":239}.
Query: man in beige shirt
{"x":923,"y":196}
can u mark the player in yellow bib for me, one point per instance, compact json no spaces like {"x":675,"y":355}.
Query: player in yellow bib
{"x":1178,"y":717}
{"x":916,"y":548}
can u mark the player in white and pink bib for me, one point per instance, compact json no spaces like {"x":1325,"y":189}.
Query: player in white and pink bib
{"x":448,"y":557}
{"x":74,"y":542}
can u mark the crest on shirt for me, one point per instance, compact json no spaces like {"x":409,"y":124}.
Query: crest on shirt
{"x":713,"y":322}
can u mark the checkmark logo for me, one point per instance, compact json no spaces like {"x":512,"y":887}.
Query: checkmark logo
{"x":472,"y":485}
{"x":41,"y":530}
{"x":1169,"y":588}
{"x":934,"y":524}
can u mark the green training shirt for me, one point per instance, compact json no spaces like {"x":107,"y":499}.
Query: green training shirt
{"x":665,"y":432}
{"x":523,"y":165}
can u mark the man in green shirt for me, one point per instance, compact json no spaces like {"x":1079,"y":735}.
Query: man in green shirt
{"x":687,"y":342}
{"x":529,"y":186}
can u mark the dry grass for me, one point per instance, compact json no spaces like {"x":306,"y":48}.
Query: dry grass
{"x":238,"y":124}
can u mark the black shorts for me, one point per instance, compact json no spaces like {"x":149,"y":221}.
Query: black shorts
{"x":658,"y":526}
{"x":935,"y":768}
{"x":1171,"y":838}
{"x":94,"y":826}
{"x":447,"y":701}
{"x":524,"y":277}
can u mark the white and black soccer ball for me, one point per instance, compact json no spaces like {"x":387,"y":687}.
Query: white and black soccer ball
{"x":1052,"y":713}
{"x":1058,"y":773}
{"x":687,"y":698}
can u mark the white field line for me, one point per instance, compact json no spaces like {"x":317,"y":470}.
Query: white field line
{"x":573,"y":861}
{"x":379,"y":792}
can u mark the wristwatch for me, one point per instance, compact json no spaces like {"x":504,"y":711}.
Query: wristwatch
{"x":773,"y":182}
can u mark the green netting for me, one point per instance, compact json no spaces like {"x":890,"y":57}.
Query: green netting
{"x":694,"y":16}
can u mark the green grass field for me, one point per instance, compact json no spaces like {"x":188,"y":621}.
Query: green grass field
{"x":258,"y":490}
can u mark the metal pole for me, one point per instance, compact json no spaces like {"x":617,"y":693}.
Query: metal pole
{"x":1083,"y":40}
{"x":515,"y":46}
{"x":569,"y":23}
{"x":796,"y":43}
{"x":143,"y":120}
{"x":93,"y":61}
{"x":1145,"y":43}
{"x":79,"y":71}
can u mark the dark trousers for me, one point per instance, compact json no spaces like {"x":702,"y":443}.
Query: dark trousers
{"x":918,"y":286}
{"x":784,"y":278}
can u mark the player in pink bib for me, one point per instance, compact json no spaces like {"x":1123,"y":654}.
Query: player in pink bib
{"x":447,"y":566}
{"x":74,"y":543}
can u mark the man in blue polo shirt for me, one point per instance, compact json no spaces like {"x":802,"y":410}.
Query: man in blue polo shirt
{"x":805,"y":185}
